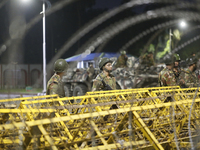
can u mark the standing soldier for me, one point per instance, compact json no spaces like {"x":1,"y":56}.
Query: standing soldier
{"x":188,"y":77}
{"x":122,"y":60}
{"x":166,"y":76}
{"x":90,"y":71}
{"x":105,"y":80}
{"x":177,"y":69}
{"x":55,"y":85}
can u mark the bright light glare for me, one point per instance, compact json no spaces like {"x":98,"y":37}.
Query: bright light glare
{"x":25,"y":1}
{"x":183,"y":24}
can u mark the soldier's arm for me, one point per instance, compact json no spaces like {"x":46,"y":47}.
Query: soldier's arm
{"x":196,"y":84}
{"x":96,"y":85}
{"x":187,"y":80}
{"x":114,"y":80}
{"x":53,"y":89}
{"x":163,"y":79}
{"x":181,"y":80}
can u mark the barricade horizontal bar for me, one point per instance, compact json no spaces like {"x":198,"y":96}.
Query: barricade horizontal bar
{"x":95,"y":114}
{"x":102,"y":120}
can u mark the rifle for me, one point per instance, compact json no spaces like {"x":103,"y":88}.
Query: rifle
{"x":107,"y":86}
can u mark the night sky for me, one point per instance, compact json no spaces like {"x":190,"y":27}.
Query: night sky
{"x":64,"y":23}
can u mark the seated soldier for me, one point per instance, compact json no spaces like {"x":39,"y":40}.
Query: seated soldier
{"x":147,"y":59}
{"x":122,"y":60}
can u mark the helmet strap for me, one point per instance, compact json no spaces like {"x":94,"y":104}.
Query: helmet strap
{"x":109,"y":71}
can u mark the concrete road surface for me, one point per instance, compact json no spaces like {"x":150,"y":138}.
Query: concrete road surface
{"x":16,"y":103}
{"x":8,"y":96}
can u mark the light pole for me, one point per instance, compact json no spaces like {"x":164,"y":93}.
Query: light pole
{"x":44,"y":48}
{"x":44,"y":44}
{"x":170,"y":39}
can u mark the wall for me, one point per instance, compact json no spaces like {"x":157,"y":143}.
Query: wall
{"x":20,"y":75}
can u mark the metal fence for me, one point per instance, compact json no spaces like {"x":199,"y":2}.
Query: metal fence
{"x":146,"y":118}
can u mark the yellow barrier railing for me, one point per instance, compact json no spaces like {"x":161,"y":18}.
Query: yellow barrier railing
{"x":151,"y":118}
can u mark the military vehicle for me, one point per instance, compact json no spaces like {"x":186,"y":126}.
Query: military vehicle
{"x":77,"y":81}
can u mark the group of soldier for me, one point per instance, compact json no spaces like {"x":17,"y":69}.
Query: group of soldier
{"x":171,"y":75}
{"x":146,"y":59}
{"x":104,"y":81}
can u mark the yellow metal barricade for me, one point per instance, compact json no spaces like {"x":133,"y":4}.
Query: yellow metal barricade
{"x":149,"y":118}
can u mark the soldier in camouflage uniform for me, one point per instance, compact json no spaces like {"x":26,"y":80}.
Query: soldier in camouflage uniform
{"x":167,"y":76}
{"x":122,"y":60}
{"x":105,"y":80}
{"x":55,"y":85}
{"x":147,"y":60}
{"x":91,"y":71}
{"x":177,"y":69}
{"x":188,"y":77}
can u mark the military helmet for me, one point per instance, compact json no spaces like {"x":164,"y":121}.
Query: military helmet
{"x":60,"y":65}
{"x":169,"y":61}
{"x":177,"y":57}
{"x":104,"y":61}
{"x":191,"y":61}
{"x":123,"y":52}
{"x":149,"y":52}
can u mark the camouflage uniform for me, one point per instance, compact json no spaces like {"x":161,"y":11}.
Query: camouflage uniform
{"x":189,"y":78}
{"x":167,"y":78}
{"x":98,"y":85}
{"x":55,"y":86}
{"x":91,"y":72}
{"x":122,"y":61}
{"x":148,"y":61}
{"x":177,"y":74}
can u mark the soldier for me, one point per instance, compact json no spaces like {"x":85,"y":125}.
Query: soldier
{"x":105,"y":80}
{"x":166,"y":76}
{"x":122,"y":60}
{"x":91,"y":71}
{"x":177,"y":69}
{"x":147,"y":59}
{"x":55,"y":85}
{"x":188,"y":77}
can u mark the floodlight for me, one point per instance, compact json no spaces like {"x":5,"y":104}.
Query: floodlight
{"x":183,"y":24}
{"x":25,"y":1}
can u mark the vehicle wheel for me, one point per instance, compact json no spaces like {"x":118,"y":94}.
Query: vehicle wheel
{"x":67,"y":88}
{"x":79,"y":90}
